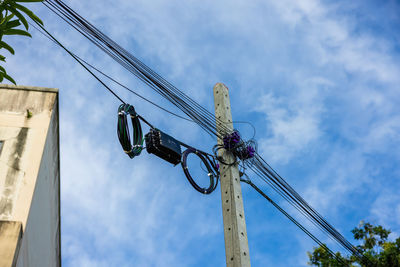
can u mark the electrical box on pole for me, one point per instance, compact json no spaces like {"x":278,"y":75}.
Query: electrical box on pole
{"x":236,"y":244}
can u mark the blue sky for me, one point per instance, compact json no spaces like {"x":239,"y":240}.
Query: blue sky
{"x":318,"y":79}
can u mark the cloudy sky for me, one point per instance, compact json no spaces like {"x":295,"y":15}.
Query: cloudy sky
{"x":319,"y":80}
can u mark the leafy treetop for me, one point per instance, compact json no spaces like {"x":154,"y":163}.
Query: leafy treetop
{"x":375,"y":247}
{"x":11,"y":17}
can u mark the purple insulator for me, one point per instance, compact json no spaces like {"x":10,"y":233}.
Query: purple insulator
{"x":235,"y":137}
{"x":250,"y":151}
{"x":231,"y":140}
{"x":226,"y":142}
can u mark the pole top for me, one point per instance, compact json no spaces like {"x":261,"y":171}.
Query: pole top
{"x":221,"y":84}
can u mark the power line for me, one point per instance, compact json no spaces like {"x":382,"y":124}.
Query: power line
{"x":249,"y":182}
{"x":196,"y":112}
{"x":83,"y":65}
{"x":54,"y":40}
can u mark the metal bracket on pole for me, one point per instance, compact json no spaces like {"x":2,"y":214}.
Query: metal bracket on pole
{"x":236,"y":244}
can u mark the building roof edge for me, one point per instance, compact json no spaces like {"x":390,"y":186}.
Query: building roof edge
{"x":28,"y":88}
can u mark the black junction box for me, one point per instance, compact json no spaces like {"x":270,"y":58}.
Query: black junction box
{"x":163,"y":146}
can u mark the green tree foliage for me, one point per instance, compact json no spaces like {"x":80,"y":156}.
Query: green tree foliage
{"x":11,"y":17}
{"x":375,"y":247}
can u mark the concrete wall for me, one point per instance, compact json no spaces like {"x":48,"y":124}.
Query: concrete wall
{"x":10,"y":242}
{"x":29,"y":171}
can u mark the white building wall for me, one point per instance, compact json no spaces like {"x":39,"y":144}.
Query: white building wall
{"x":43,"y":225}
{"x":29,"y":171}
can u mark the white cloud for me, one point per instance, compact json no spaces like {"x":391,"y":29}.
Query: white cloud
{"x":293,"y":120}
{"x":386,"y":209}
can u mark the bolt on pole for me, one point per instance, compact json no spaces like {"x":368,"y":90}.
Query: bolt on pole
{"x":236,"y":243}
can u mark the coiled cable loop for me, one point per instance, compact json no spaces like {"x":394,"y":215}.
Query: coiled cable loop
{"x":211,"y":167}
{"x":135,"y":148}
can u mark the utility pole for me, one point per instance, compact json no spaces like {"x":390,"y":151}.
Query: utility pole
{"x":236,"y":244}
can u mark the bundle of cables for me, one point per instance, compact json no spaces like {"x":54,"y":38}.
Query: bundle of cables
{"x":243,"y":150}
{"x":211,"y":166}
{"x":135,"y":148}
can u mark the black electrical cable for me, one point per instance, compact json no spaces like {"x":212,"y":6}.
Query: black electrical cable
{"x":302,"y":209}
{"x":113,"y":79}
{"x":295,"y":205}
{"x":197,"y":113}
{"x":133,"y":92}
{"x":135,"y":148}
{"x":198,"y":150}
{"x":249,"y":182}
{"x":210,"y":166}
{"x":83,"y":65}
{"x":262,"y":169}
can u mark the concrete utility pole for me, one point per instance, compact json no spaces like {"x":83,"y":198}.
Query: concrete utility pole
{"x":236,"y":244}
